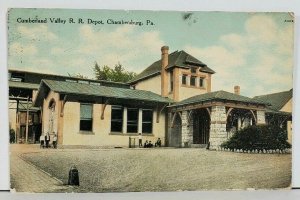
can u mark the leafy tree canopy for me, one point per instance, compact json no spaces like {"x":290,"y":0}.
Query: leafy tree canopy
{"x":117,"y":74}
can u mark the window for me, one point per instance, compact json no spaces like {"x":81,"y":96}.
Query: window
{"x":132,"y":120}
{"x":116,"y":119}
{"x":147,"y":121}
{"x":193,"y":81}
{"x":193,"y":70}
{"x":171,"y":81}
{"x":184,"y":79}
{"x":202,"y":82}
{"x":86,"y":117}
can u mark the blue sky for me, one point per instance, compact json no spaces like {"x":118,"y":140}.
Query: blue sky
{"x":253,"y":50}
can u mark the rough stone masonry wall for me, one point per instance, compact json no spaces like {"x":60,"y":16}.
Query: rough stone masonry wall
{"x":187,"y":134}
{"x":218,"y":132}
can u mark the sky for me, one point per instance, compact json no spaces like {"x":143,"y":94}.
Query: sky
{"x":252,"y":50}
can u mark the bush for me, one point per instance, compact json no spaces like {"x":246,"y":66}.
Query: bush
{"x":258,"y":137}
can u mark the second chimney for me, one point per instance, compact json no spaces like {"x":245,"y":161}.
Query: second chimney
{"x":237,"y":90}
{"x":164,"y":75}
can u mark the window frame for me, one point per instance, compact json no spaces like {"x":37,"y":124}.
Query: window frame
{"x":120,"y":120}
{"x":202,"y":80}
{"x":81,"y":119}
{"x":132,"y":123}
{"x":148,"y":121}
{"x":194,"y":78}
{"x":193,"y":70}
{"x":184,"y":79}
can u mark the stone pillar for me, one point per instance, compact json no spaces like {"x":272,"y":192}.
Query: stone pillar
{"x":185,"y":131}
{"x":218,"y":132}
{"x":260,"y":116}
{"x":191,"y":130}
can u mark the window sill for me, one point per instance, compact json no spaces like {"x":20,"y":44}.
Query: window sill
{"x":86,"y":132}
{"x":130,"y":134}
{"x":191,"y":86}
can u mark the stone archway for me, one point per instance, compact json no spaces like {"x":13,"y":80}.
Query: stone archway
{"x":201,"y":126}
{"x":238,"y":119}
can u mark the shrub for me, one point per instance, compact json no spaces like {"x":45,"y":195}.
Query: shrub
{"x":258,"y":137}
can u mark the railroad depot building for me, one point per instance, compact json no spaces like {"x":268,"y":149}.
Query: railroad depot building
{"x":171,"y":100}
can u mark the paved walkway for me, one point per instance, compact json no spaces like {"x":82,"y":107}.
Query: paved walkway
{"x":26,"y":177}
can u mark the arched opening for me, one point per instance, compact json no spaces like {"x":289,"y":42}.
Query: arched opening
{"x":175,"y":139}
{"x":201,"y":126}
{"x":238,"y":119}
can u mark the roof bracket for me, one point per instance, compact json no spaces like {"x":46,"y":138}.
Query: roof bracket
{"x":159,"y":112}
{"x":63,"y":102}
{"x":103,"y":109}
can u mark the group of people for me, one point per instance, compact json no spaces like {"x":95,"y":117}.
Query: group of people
{"x":45,"y":141}
{"x":148,"y":144}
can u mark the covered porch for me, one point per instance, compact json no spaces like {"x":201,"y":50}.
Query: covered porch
{"x":210,"y":119}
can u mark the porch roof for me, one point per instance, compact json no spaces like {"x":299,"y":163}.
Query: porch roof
{"x":218,"y":95}
{"x":87,"y":91}
{"x":23,"y":85}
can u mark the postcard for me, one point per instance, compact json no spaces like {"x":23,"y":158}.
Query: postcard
{"x":137,"y":101}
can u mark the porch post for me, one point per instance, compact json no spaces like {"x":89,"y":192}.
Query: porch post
{"x":124,"y":128}
{"x":218,"y":132}
{"x":187,"y":137}
{"x":261,"y":118}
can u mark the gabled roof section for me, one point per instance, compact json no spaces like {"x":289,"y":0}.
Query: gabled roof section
{"x":87,"y":90}
{"x":276,"y":100}
{"x":176,"y":59}
{"x":218,"y":95}
{"x":23,"y":85}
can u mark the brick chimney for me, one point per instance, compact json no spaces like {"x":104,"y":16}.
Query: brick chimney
{"x":237,"y":90}
{"x":164,"y":75}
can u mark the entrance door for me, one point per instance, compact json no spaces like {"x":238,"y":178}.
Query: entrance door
{"x":201,"y":127}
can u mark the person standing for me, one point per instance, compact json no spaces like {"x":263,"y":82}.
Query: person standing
{"x":55,"y":141}
{"x":140,"y":140}
{"x":47,"y":139}
{"x":42,"y":143}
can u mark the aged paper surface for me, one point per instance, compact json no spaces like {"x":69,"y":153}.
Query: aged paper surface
{"x":125,"y":101}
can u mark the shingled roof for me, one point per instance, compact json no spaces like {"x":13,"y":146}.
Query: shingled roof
{"x":88,"y":90}
{"x":218,"y":95}
{"x":276,"y":100}
{"x":176,"y":59}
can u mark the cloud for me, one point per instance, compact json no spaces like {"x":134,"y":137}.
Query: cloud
{"x":36,"y":33}
{"x":18,"y":49}
{"x":57,"y":50}
{"x":124,"y":44}
{"x":259,"y":60}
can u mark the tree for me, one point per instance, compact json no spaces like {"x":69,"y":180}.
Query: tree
{"x":117,"y":74}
